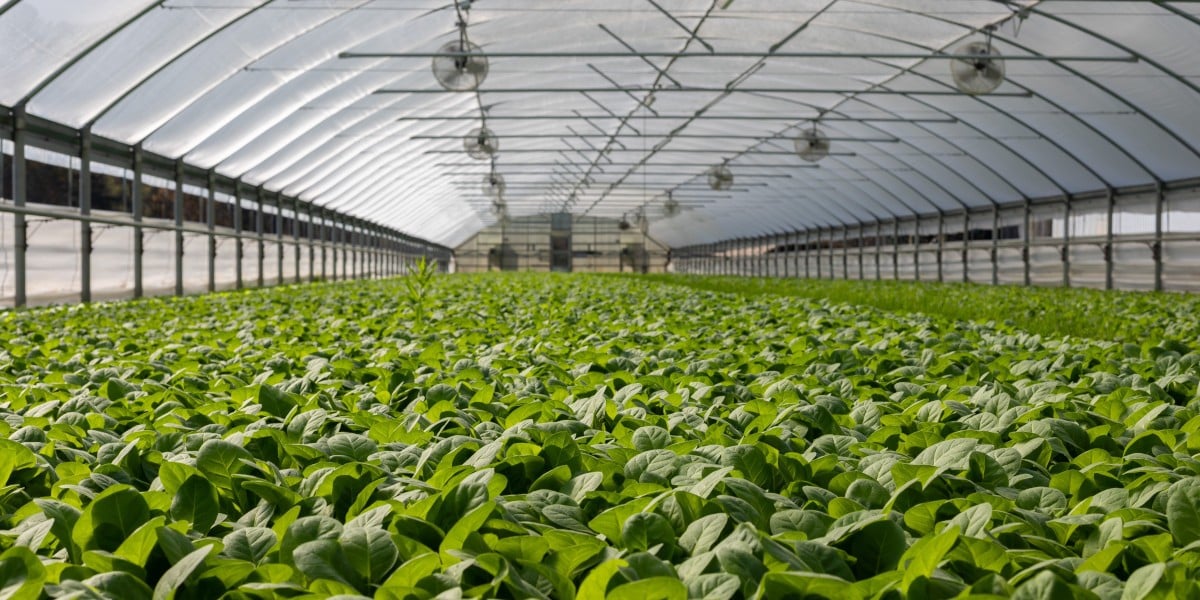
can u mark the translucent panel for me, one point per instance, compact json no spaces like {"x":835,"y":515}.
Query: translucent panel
{"x":1182,"y":213}
{"x":194,"y":74}
{"x":226,"y":261}
{"x":53,"y":261}
{"x":158,"y":262}
{"x":130,"y":56}
{"x":39,"y":37}
{"x":195,"y":263}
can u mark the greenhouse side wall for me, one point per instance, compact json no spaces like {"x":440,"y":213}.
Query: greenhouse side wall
{"x":1136,"y":240}
{"x":194,"y":237}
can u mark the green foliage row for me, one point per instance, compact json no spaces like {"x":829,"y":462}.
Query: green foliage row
{"x":1097,"y":314}
{"x":584,"y":438}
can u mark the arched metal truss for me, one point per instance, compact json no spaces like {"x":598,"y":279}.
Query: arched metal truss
{"x":331,"y":103}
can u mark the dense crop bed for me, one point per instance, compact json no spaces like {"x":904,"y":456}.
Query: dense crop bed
{"x":535,"y":437}
{"x":1133,"y":317}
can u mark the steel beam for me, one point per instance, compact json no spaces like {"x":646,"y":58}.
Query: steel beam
{"x":1108,"y":241}
{"x":705,"y":117}
{"x":20,"y":193}
{"x":1157,"y":248}
{"x":139,"y":236}
{"x":179,"y":228}
{"x":726,"y":54}
{"x":1026,"y":242}
{"x":259,"y":226}
{"x":239,"y":248}
{"x":995,"y":245}
{"x":296,"y":237}
{"x":210,"y":219}
{"x":941,"y":246}
{"x":895,"y":249}
{"x":279,"y":238}
{"x":1066,"y":247}
{"x":85,"y":210}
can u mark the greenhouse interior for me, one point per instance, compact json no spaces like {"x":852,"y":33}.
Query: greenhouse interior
{"x":600,"y":300}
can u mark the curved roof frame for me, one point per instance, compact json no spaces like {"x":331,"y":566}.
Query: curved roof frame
{"x":395,"y":179}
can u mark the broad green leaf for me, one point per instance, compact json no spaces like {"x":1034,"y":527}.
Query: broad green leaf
{"x":595,"y":585}
{"x":371,"y":551}
{"x":784,"y":585}
{"x":21,"y":574}
{"x":111,"y":518}
{"x":1183,"y":511}
{"x":923,"y":557}
{"x":654,"y":588}
{"x":703,"y":533}
{"x":250,"y":544}
{"x":220,"y":460}
{"x":179,"y":573}
{"x":713,"y":586}
{"x":197,"y":503}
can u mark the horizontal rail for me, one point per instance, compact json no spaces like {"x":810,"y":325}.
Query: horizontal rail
{"x":686,"y":55}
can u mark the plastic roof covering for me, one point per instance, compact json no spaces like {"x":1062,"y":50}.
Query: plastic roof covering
{"x":256,"y":89}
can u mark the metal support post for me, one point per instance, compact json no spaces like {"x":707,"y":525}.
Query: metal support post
{"x":239,"y":251}
{"x":833,"y":253}
{"x":1159,"y":205}
{"x":807,"y":251}
{"x":916,"y":240}
{"x":311,"y":238}
{"x":941,"y":246}
{"x":333,"y":249}
{"x":1026,"y":243}
{"x":344,"y":238}
{"x":279,"y":238}
{"x":862,"y":233}
{"x":995,"y":245}
{"x":896,"y":249}
{"x":1108,"y":240}
{"x":820,"y":254}
{"x":785,"y":255}
{"x":296,"y":236}
{"x":355,"y":249}
{"x":260,"y":225}
{"x":20,"y":192}
{"x":179,"y":227}
{"x":139,"y":237}
{"x":211,"y":222}
{"x":1066,"y":248}
{"x":85,"y":209}
{"x":879,"y":250}
{"x":845,"y":252}
{"x":966,"y":247}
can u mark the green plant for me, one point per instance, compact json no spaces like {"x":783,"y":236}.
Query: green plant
{"x":1103,"y":315}
{"x":585,"y":437}
{"x":417,"y":285}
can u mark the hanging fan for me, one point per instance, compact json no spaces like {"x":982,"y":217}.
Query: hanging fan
{"x":980,"y":74}
{"x":671,"y":206}
{"x":813,"y":145}
{"x":624,"y":225}
{"x":460,"y":66}
{"x":720,"y":178}
{"x":481,"y":143}
{"x":493,"y":185}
